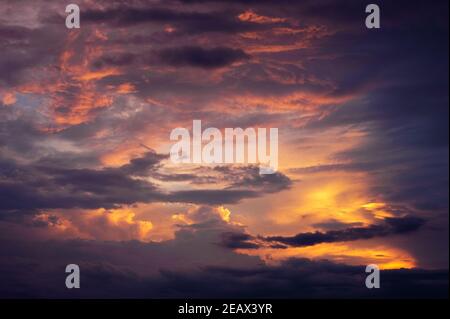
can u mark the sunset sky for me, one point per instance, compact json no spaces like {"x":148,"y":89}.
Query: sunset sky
{"x":86,"y":178}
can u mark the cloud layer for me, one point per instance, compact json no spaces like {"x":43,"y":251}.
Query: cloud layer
{"x":85,"y":176}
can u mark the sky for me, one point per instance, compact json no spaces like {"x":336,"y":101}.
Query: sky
{"x":86,"y":177}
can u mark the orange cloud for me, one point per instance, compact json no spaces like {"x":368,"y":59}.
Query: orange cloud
{"x":99,"y":224}
{"x":97,"y":75}
{"x":9,"y":98}
{"x":126,"y":88}
{"x":384,"y":256}
{"x":251,"y":16}
{"x":71,"y":89}
{"x":192,"y":215}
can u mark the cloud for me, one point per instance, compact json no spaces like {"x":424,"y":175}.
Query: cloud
{"x":345,"y":232}
{"x":43,"y":186}
{"x":238,"y":240}
{"x":23,"y":50}
{"x":210,"y":196}
{"x":250,"y":178}
{"x":34,"y":268}
{"x":105,"y":275}
{"x":100,"y":224}
{"x":75,"y":107}
{"x":142,"y":165}
{"x":201,"y":57}
{"x":189,"y":22}
{"x":110,"y":59}
{"x":390,"y":226}
{"x":352,"y":167}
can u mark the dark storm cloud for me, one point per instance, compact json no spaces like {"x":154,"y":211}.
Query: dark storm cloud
{"x":236,"y":240}
{"x":303,"y":278}
{"x":240,"y":175}
{"x":201,"y":57}
{"x":187,"y":21}
{"x":141,"y":165}
{"x":39,"y":186}
{"x":241,"y":181}
{"x":25,"y":48}
{"x":51,"y":187}
{"x":12,"y":33}
{"x":272,"y":183}
{"x":128,"y":269}
{"x":334,"y":224}
{"x":293,"y":278}
{"x":43,"y":187}
{"x":181,"y":178}
{"x":210,"y":196}
{"x":338,"y":232}
{"x":120,"y":59}
{"x":391,"y":226}
{"x":357,"y":167}
{"x":18,"y":135}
